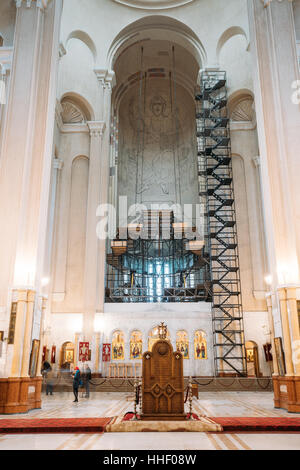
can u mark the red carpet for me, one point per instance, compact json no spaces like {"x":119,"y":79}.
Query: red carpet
{"x":235,"y":424}
{"x":62,"y":425}
{"x":98,"y":425}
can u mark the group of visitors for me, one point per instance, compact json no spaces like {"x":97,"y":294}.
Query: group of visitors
{"x":78,"y":380}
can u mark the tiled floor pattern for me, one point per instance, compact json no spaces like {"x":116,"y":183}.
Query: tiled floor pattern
{"x":151,"y":441}
{"x":224,"y":404}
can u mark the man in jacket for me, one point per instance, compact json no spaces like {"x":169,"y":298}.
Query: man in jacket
{"x":76,"y":383}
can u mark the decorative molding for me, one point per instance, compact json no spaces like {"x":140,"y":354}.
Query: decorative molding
{"x":58,"y":164}
{"x":96,"y":128}
{"x":106,"y":78}
{"x":61,"y":50}
{"x":74,"y":128}
{"x":256,"y":161}
{"x":243,"y":110}
{"x":154,"y":4}
{"x":71,"y":113}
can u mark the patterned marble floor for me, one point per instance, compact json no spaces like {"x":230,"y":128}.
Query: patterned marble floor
{"x":224,"y":404}
{"x":60,"y":405}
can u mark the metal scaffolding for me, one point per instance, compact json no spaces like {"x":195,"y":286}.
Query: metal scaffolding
{"x":160,"y":265}
{"x":216,"y":190}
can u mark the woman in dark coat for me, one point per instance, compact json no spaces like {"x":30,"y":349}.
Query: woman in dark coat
{"x":76,"y":383}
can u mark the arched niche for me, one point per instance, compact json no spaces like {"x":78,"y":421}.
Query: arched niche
{"x":75,"y":109}
{"x":252,"y":358}
{"x":241,"y":106}
{"x":118,"y":346}
{"x":200,"y":345}
{"x":77,"y":232}
{"x":136,"y":345}
{"x":182,"y":343}
{"x":86,"y":39}
{"x":228,"y":34}
{"x":67,"y":355}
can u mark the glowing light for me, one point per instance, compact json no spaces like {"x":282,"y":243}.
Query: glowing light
{"x":268,"y":279}
{"x":45,"y":281}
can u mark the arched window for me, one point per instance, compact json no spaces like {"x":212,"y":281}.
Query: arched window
{"x":136,"y":345}
{"x":118,"y":346}
{"x":154,"y":336}
{"x":200,"y":345}
{"x":182,"y":343}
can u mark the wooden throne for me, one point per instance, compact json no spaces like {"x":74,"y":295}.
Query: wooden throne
{"x":162,"y":384}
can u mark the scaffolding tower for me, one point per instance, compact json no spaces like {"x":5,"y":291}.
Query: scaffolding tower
{"x":158,"y":262}
{"x":216,"y":192}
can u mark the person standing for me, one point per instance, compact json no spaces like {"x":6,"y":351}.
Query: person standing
{"x":86,"y":380}
{"x":76,"y":383}
{"x":49,"y":381}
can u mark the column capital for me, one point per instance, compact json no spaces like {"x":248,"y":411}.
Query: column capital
{"x":41,"y":4}
{"x":256,"y":161}
{"x":58,"y":164}
{"x":291,"y":293}
{"x":281,"y":293}
{"x":61,"y":50}
{"x":31,"y":295}
{"x":107,"y":78}
{"x":96,"y":128}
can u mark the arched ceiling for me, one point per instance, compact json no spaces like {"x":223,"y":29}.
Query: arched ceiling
{"x":153,"y":4}
{"x":157,"y":59}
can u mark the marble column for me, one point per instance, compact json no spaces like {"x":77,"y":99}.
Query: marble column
{"x":275,"y":67}
{"x":20,"y":296}
{"x":43,"y":336}
{"x":91,"y":284}
{"x":76,"y":346}
{"x":28,"y":333}
{"x":291,"y":296}
{"x":286,"y":331}
{"x":97,"y":352}
{"x":107,"y":81}
{"x":272,"y":333}
{"x":26,"y":150}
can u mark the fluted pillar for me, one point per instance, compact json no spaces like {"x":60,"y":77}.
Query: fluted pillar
{"x":97,"y":352}
{"x":27,"y":333}
{"x":106,"y":80}
{"x":275,"y":68}
{"x":20,"y":296}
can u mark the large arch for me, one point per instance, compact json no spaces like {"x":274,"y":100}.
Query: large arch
{"x":156,"y":27}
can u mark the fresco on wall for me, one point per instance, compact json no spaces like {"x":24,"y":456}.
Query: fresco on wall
{"x":136,"y":345}
{"x":157,"y":160}
{"x":200,"y":345}
{"x":118,"y":346}
{"x":182,"y":343}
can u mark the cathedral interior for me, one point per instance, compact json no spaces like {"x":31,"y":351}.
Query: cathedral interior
{"x":148,"y":174}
